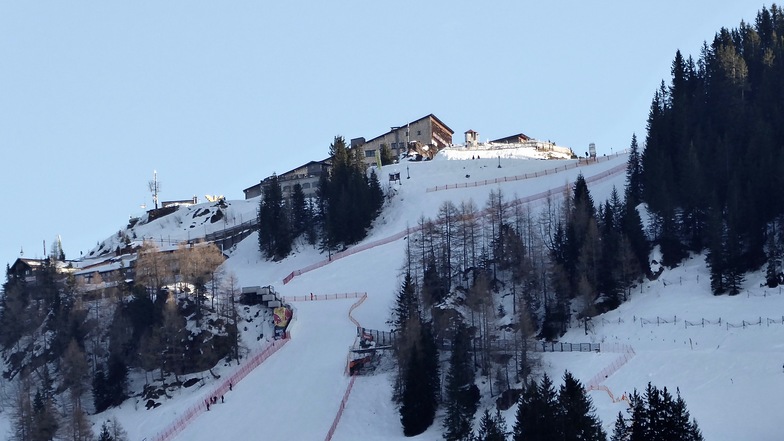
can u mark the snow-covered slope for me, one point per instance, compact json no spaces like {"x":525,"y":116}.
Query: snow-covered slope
{"x":728,"y":376}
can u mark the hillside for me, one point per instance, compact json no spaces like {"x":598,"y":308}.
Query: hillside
{"x":722,"y":371}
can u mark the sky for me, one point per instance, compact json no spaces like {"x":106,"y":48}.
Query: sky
{"x":95,"y":95}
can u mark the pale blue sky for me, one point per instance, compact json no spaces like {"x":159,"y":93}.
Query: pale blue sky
{"x":94,"y":95}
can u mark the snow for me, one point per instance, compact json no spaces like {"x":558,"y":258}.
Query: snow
{"x":729,"y":377}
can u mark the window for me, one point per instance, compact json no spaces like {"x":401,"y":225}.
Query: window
{"x":370,"y":153}
{"x":419,"y":132}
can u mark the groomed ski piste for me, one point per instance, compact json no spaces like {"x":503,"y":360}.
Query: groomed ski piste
{"x":724,"y":354}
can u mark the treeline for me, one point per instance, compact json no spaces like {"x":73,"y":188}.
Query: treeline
{"x":63,"y":344}
{"x":471,"y":269}
{"x":347,"y":202}
{"x":713,"y":165}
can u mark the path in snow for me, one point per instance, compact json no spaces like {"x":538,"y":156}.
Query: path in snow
{"x":295,"y":394}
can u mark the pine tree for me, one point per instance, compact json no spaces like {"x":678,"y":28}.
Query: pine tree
{"x":549,"y":410}
{"x":633,"y":230}
{"x":117,"y":380}
{"x":275,"y":237}
{"x":386,"y":155}
{"x":491,"y":427}
{"x":712,"y":138}
{"x":101,"y":400}
{"x":656,"y":416}
{"x":634,"y":174}
{"x":111,"y":430}
{"x":104,"y":435}
{"x":406,"y":305}
{"x":525,"y":427}
{"x":538,"y":413}
{"x":417,"y":386}
{"x":419,"y":399}
{"x":300,"y":216}
{"x":621,"y":430}
{"x":349,"y":199}
{"x":577,"y":414}
{"x":462,"y":395}
{"x":45,"y":424}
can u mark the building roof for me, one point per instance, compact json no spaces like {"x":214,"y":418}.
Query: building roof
{"x":470,"y":131}
{"x":35,"y":264}
{"x":251,"y":187}
{"x":412,"y":122}
{"x":327,"y":162}
{"x":511,"y":137}
{"x":30,"y":263}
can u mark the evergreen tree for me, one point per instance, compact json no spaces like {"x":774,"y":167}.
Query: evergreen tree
{"x":349,"y":199}
{"x":462,"y":395}
{"x":111,"y":430}
{"x":300,"y":216}
{"x":420,"y":386}
{"x":609,"y":269}
{"x":45,"y":424}
{"x":577,"y":414}
{"x":417,"y":386}
{"x":656,"y":416}
{"x":274,"y":230}
{"x":117,"y":380}
{"x":620,"y":430}
{"x":104,"y":435}
{"x":538,"y":414}
{"x":101,"y":399}
{"x":633,"y":230}
{"x":386,"y":155}
{"x":525,"y":417}
{"x":491,"y":427}
{"x":406,"y":305}
{"x":413,"y":407}
{"x":634,"y":174}
{"x":711,"y":148}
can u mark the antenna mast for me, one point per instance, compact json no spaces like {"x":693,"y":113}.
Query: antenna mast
{"x":155,"y":187}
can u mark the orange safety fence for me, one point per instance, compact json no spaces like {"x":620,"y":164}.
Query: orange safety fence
{"x":595,"y":383}
{"x":623,"y":397}
{"x":200,"y":407}
{"x":313,"y":297}
{"x":343,"y":402}
{"x":342,"y":407}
